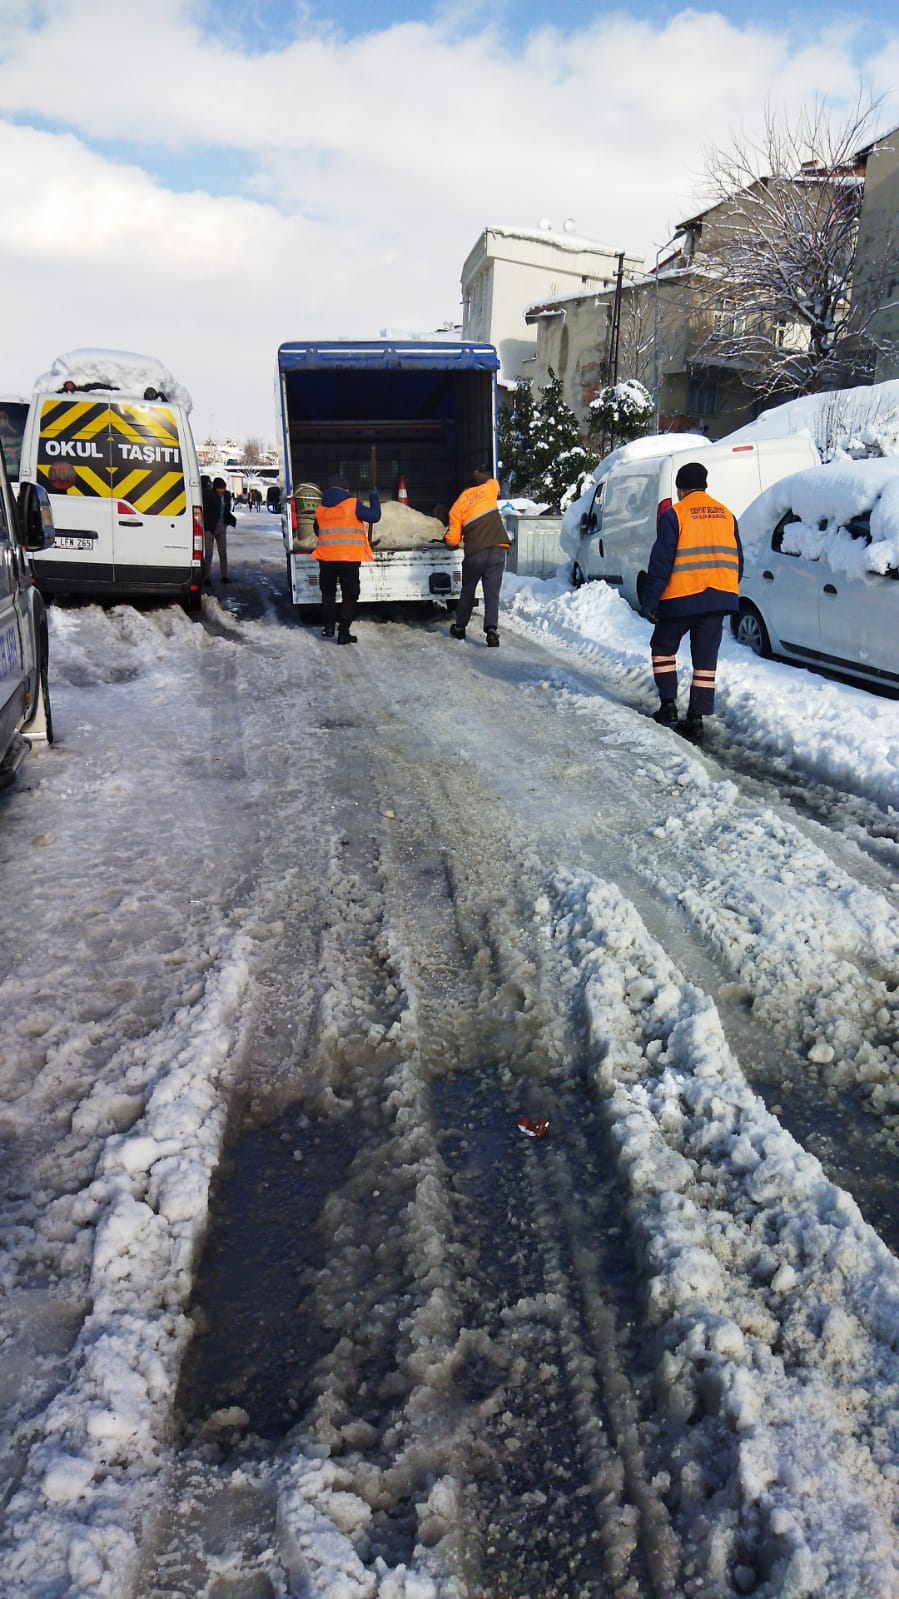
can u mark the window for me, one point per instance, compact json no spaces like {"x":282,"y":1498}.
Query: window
{"x":702,"y":397}
{"x":778,"y":534}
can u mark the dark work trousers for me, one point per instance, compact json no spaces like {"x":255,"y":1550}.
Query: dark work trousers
{"x":705,"y":641}
{"x":485,"y":567}
{"x":346,"y":573}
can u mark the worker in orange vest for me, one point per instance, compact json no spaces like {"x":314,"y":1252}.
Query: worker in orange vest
{"x":342,"y":544}
{"x":692,"y":583}
{"x":475,"y":522}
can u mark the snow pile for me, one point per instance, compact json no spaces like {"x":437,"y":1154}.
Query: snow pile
{"x":523,"y":507}
{"x":776,"y":1304}
{"x":863,"y":421}
{"x":401,"y":528}
{"x":820,"y":730}
{"x":117,"y":370}
{"x":826,"y":499}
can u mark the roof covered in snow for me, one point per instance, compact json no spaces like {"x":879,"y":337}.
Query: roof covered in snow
{"x":119,"y":370}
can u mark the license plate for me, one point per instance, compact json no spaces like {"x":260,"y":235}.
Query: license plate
{"x":64,"y":543}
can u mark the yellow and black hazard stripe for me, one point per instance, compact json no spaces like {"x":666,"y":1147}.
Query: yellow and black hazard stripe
{"x":113,"y":450}
{"x":73,"y":447}
{"x":146,"y":456}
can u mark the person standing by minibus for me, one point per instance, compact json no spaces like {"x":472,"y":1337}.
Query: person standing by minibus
{"x":217,"y":518}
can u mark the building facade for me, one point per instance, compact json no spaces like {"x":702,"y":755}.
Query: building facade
{"x":510,"y":268}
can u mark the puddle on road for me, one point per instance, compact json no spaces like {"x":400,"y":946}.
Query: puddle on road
{"x":256,"y":1346}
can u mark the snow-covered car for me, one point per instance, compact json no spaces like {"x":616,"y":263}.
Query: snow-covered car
{"x":820,"y":583}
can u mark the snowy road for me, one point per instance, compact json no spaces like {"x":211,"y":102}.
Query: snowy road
{"x":309,"y":930}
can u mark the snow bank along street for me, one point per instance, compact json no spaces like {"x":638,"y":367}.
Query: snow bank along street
{"x":291,"y":1305}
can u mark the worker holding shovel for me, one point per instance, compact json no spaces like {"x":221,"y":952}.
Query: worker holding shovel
{"x":342,"y":544}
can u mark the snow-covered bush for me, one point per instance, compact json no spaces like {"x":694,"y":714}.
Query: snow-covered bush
{"x":620,"y":411}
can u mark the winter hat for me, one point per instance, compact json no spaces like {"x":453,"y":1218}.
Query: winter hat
{"x":692,"y":475}
{"x":339,"y":481}
{"x":218,"y":483}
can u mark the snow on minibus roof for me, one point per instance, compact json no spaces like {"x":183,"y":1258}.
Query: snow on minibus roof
{"x":120,"y":370}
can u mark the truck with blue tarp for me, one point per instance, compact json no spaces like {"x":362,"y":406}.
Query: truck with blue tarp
{"x":412,"y":418}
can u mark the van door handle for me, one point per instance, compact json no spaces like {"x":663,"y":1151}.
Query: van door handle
{"x":130,"y":521}
{"x":829,"y":588}
{"x":602,"y":553}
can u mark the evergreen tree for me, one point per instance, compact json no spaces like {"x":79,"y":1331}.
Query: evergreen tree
{"x":514,"y":429}
{"x":557,"y":454}
{"x":620,"y":412}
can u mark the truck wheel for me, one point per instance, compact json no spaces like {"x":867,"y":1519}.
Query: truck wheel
{"x":751,"y":630}
{"x":577,"y":576}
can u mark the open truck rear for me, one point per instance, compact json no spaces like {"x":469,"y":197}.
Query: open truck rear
{"x":422,"y":414}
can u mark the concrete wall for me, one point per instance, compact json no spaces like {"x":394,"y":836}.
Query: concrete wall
{"x":877,"y":267}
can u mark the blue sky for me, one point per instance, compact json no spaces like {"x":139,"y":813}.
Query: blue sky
{"x":263,"y":24}
{"x":226,"y":176}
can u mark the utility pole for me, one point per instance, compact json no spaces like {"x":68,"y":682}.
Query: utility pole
{"x":616,"y":318}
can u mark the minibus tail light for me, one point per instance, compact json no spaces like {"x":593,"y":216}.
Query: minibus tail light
{"x":198,"y":533}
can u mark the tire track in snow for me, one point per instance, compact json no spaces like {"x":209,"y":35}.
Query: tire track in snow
{"x":549,"y":1299}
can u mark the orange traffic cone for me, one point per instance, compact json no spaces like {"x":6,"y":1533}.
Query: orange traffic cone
{"x":402,"y":492}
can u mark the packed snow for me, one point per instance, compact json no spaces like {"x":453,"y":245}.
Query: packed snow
{"x":247,"y":850}
{"x":112,"y":369}
{"x":825,"y":500}
{"x":843,"y":422}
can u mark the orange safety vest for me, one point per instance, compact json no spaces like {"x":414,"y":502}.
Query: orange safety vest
{"x":341,"y":534}
{"x":707,"y":555}
{"x":478,"y":501}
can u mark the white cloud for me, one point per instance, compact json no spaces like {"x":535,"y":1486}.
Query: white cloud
{"x":364,"y":170}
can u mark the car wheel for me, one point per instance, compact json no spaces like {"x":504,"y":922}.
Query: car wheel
{"x":751,"y":631}
{"x":41,"y":724}
{"x":577,"y":576}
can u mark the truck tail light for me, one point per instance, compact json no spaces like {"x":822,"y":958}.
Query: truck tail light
{"x":198,"y":533}
{"x":293,"y":514}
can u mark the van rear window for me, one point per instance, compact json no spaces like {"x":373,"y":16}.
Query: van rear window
{"x":112,"y":450}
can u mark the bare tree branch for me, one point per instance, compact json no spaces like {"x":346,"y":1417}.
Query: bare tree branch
{"x":779,"y":251}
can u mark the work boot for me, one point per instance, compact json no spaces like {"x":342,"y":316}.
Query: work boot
{"x":328,"y":630}
{"x":492,"y":638}
{"x":456,"y":632}
{"x":346,"y":638}
{"x":691,"y":728}
{"x":666,"y":713}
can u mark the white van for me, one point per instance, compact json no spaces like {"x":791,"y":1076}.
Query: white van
{"x":615,"y":522}
{"x":116,"y":455}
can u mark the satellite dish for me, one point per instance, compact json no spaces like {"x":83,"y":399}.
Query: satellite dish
{"x":545,"y":224}
{"x":569,"y":225}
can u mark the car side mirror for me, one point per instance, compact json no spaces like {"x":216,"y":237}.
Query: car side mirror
{"x":588,"y":523}
{"x":36,"y":517}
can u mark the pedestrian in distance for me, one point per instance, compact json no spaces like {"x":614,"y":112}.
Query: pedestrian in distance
{"x":692,"y":584}
{"x":342,"y":544}
{"x":475,"y":523}
{"x":217,"y":518}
